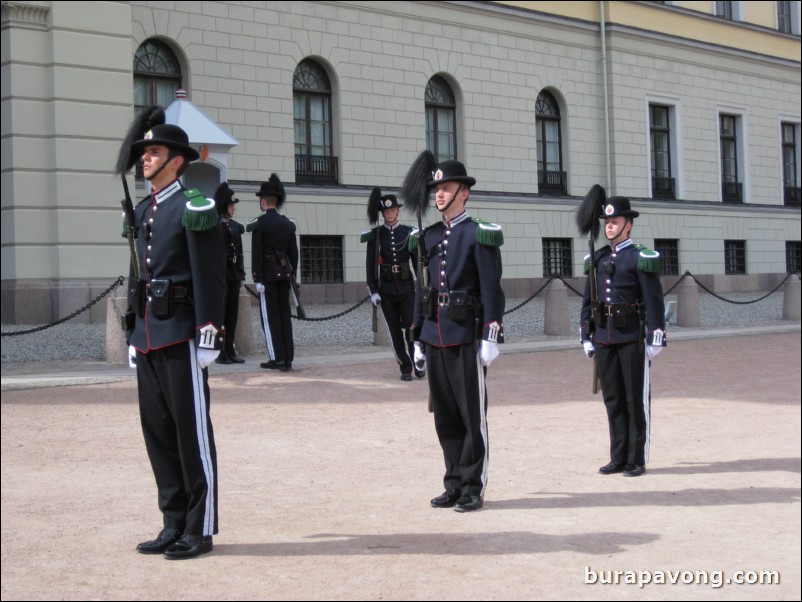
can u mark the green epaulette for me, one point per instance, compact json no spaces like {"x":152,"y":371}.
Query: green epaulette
{"x":200,"y":213}
{"x":648,"y":260}
{"x":367,"y":235}
{"x":251,"y":225}
{"x":488,"y":233}
{"x":412,"y":242}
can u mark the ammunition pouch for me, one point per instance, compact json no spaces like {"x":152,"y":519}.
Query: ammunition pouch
{"x":620,"y":312}
{"x":430,"y":303}
{"x":160,"y":299}
{"x":459,"y":303}
{"x":128,"y":320}
{"x":595,"y":311}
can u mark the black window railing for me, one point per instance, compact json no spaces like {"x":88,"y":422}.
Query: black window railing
{"x":792,"y":196}
{"x":552,"y":182}
{"x":732,"y":192}
{"x":663,"y":188}
{"x":316,"y":169}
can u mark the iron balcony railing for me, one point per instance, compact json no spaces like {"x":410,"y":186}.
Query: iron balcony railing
{"x":316,"y":169}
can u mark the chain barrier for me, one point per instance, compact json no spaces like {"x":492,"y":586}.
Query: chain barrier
{"x":119,"y":282}
{"x":323,"y":318}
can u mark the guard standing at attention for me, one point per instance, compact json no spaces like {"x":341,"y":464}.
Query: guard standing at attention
{"x":275,"y":264}
{"x":459,"y":305}
{"x":173,"y":326}
{"x":390,"y":276}
{"x":235,"y":268}
{"x":623,"y":325}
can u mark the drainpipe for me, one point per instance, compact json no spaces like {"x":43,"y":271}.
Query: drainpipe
{"x":604,"y":94}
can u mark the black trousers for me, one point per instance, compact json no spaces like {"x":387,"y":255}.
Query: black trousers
{"x":232,"y":313}
{"x":276,"y":317}
{"x":459,"y":402}
{"x":174,"y":410}
{"x":624,"y":374}
{"x":398,"y":310}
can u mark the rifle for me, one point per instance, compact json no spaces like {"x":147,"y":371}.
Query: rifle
{"x":587,"y":218}
{"x":374,"y":324}
{"x":295,"y":299}
{"x":125,"y":161}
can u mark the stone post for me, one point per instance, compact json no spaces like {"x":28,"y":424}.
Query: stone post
{"x":243,"y":337}
{"x":688,"y":313}
{"x":556,"y":319}
{"x":116,"y":349}
{"x":791,"y":298}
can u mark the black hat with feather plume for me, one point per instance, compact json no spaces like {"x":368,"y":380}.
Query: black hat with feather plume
{"x":273,"y":187}
{"x":223,"y":197}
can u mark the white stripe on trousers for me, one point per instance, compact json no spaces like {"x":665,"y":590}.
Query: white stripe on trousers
{"x":647,"y":404}
{"x":202,"y":430}
{"x":271,"y":352}
{"x":483,"y":413}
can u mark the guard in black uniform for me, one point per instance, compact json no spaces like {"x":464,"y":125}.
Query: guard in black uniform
{"x":275,"y":263}
{"x":390,"y":276}
{"x":235,"y":268}
{"x":458,"y":324}
{"x":175,"y":317}
{"x":625,"y":332}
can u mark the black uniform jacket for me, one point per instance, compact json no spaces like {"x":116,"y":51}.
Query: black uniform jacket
{"x":274,"y":249}
{"x":628,"y":277}
{"x":193,"y":262}
{"x":397,"y":264}
{"x":456,"y":261}
{"x":232,"y":238}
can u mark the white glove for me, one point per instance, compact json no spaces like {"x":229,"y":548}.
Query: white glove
{"x":131,"y":356}
{"x":590,"y":350}
{"x":206,"y":356}
{"x":375,"y":299}
{"x":260,"y":288}
{"x":420,"y":356}
{"x":653,"y":350}
{"x":488,"y":351}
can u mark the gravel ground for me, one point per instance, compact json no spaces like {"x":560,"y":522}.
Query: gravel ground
{"x":87,"y":341}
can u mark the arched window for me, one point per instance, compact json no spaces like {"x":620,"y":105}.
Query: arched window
{"x":315,"y":162}
{"x":551,"y":178}
{"x":441,"y":121}
{"x":157,"y":75}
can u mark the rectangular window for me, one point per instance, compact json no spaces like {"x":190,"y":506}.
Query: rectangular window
{"x":724,"y":10}
{"x":557,"y":257}
{"x":735,"y":257}
{"x":669,"y":255}
{"x":793,"y":256}
{"x":784,"y":17}
{"x":321,"y":259}
{"x":790,"y":178}
{"x":660,"y":137}
{"x":731,"y":188}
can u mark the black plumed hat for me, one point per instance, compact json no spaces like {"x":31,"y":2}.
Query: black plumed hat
{"x":273,"y":187}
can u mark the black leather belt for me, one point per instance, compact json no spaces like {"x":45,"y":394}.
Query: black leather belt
{"x":178,"y":292}
{"x":445,"y":298}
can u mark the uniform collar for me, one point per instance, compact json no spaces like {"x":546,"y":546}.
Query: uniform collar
{"x":457,"y":220}
{"x":167,"y":191}
{"x":627,"y":243}
{"x":392,"y":226}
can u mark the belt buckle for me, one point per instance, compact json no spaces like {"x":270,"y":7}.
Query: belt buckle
{"x":442,"y":298}
{"x":395,"y":268}
{"x":609,"y":308}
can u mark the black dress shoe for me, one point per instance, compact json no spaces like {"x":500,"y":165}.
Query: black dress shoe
{"x":222,"y":359}
{"x":447,"y":499}
{"x":287,"y":367}
{"x":271,"y":365}
{"x":189,"y":546}
{"x":469,"y":503}
{"x":420,"y":373}
{"x":634,"y":470}
{"x":406,"y":377}
{"x":235,"y":358}
{"x":612,"y":468}
{"x":164,"y":540}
